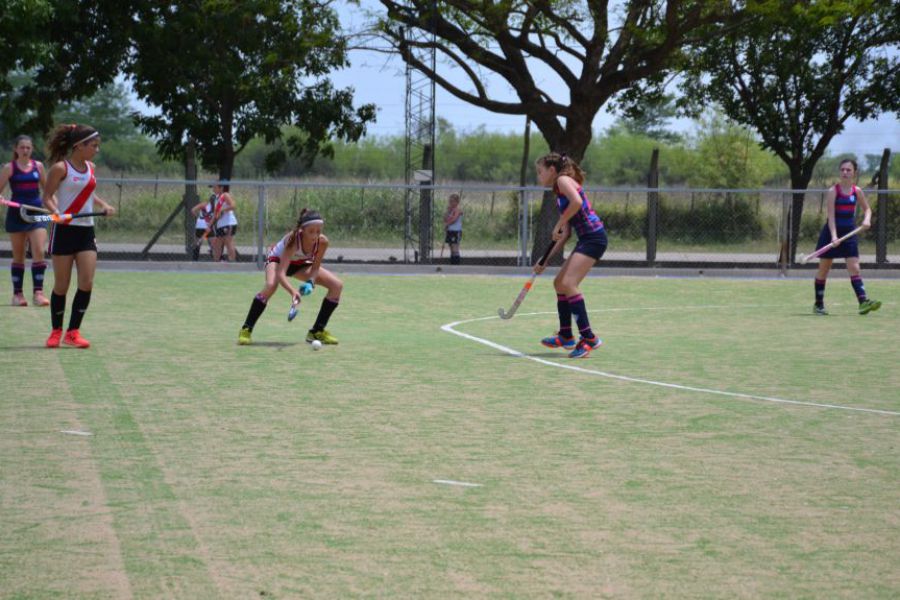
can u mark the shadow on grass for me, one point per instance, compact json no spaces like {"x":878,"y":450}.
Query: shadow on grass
{"x":278,"y":345}
{"x":24,"y":348}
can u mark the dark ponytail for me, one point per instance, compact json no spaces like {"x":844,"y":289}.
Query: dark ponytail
{"x":563,"y":165}
{"x":65,"y":137}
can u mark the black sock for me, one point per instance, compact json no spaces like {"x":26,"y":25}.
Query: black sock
{"x":565,"y":315}
{"x":37,"y":275}
{"x":860,"y":290}
{"x":57,"y":310}
{"x":820,"y":292}
{"x":576,"y":305}
{"x":454,"y":259}
{"x":18,"y":274}
{"x":256,"y":310}
{"x":79,"y":307}
{"x":328,"y":306}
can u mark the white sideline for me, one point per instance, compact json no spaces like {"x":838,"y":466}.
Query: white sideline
{"x":449,"y":328}
{"x":452,"y":482}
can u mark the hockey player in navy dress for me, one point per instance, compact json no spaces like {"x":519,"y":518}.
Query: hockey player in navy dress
{"x":26,"y":178}
{"x":298,"y":254}
{"x":575,"y":212}
{"x":842,"y":200}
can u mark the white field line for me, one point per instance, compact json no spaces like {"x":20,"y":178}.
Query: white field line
{"x":458,"y":483}
{"x":75,"y":432}
{"x":449,"y":328}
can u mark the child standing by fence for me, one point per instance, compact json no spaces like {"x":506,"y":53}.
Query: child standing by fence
{"x":453,"y":227}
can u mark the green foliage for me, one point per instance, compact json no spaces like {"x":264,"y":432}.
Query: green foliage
{"x":795,"y":76}
{"x":65,"y":50}
{"x":108,"y":110}
{"x":729,"y":156}
{"x":223,"y":73}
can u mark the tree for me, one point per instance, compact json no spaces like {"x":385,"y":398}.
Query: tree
{"x":109,"y":110}
{"x":796,"y":74}
{"x":595,"y":50}
{"x":226,"y":71}
{"x":650,"y":119}
{"x":58,"y":51}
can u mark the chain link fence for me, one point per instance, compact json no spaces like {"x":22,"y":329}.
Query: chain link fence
{"x":376,"y":223}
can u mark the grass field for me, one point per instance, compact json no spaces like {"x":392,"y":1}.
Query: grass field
{"x":272,"y":471}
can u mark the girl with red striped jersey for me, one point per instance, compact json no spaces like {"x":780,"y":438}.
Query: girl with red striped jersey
{"x":70,"y":189}
{"x":298,"y":254}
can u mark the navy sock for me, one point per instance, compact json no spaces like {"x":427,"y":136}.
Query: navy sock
{"x":565,"y":315}
{"x":57,"y":310}
{"x":37,"y":275}
{"x":820,"y":293}
{"x":328,"y":306}
{"x":18,"y":274}
{"x":256,"y":310}
{"x":79,"y":306}
{"x":857,"y":283}
{"x":576,"y":305}
{"x":454,"y":259}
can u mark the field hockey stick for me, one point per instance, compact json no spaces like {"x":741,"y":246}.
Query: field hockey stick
{"x":515,"y":305}
{"x":20,"y":206}
{"x":295,"y":308}
{"x":64,"y":218}
{"x":804,"y":258}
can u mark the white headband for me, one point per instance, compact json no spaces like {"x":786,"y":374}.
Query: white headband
{"x":90,"y":137}
{"x":313,"y":222}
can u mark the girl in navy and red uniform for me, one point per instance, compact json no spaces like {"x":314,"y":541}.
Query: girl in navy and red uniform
{"x":25,"y":177}
{"x":842,"y":201}
{"x":70,"y":189}
{"x":298,"y":254}
{"x":575,"y":212}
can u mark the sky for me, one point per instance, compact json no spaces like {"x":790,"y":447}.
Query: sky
{"x":379,"y":78}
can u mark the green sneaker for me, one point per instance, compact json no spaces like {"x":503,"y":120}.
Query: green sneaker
{"x":867,"y":306}
{"x":819,"y":310}
{"x":244,"y":337}
{"x":323,"y":336}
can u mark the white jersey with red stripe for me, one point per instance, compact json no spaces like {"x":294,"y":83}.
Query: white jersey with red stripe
{"x":76,"y":193}
{"x":298,"y":257}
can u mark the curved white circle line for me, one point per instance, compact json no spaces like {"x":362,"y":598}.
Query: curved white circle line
{"x":449,"y":328}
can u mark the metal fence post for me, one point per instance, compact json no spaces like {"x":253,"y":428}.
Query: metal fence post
{"x":260,"y":225}
{"x":653,"y":206}
{"x":881,"y":219}
{"x":524,"y":213}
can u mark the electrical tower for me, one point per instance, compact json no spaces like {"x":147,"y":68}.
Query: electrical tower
{"x":419,"y":45}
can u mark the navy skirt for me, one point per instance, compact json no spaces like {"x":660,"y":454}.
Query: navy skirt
{"x":847,"y":249}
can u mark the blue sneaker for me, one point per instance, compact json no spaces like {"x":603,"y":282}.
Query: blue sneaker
{"x":584,"y":347}
{"x":558,"y":341}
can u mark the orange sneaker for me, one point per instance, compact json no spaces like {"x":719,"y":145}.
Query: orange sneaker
{"x":40,"y":299}
{"x":19,"y":300}
{"x":73,"y":338}
{"x":53,"y":340}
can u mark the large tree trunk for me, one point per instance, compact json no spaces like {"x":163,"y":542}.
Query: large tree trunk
{"x":799,"y":181}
